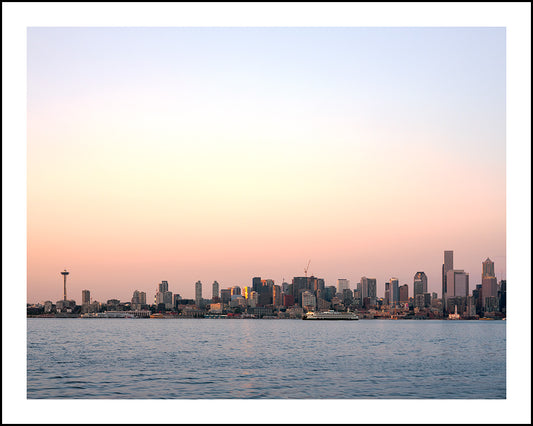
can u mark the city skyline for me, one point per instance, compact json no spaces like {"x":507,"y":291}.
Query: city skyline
{"x":198,"y":291}
{"x":224,"y":153}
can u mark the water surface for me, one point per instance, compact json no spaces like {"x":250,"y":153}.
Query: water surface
{"x":247,"y":358}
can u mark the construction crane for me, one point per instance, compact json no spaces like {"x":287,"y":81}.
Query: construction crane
{"x":307,"y":267}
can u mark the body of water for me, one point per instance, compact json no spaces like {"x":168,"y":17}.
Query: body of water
{"x":247,"y":358}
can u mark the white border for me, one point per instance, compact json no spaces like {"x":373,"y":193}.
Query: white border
{"x":515,"y":17}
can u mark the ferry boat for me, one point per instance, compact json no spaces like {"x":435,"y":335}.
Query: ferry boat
{"x":330,"y":315}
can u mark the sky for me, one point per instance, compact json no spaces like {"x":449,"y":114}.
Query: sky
{"x":186,"y":154}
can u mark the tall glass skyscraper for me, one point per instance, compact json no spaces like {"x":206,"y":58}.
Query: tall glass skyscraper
{"x":446,"y":266}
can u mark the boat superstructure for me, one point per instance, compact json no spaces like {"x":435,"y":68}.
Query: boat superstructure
{"x":330,"y":315}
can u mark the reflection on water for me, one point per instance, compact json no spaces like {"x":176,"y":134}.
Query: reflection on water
{"x":200,"y":358}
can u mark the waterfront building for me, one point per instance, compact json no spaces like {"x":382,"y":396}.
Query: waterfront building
{"x":138,"y":300}
{"x":446,"y":266}
{"x":85,"y":297}
{"x":112,"y":304}
{"x":48,"y":306}
{"x":215,"y":289}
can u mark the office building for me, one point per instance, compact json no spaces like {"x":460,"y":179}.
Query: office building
{"x":487,"y":269}
{"x":138,"y":300}
{"x":489,"y":288}
{"x":198,"y":293}
{"x":235,"y":290}
{"x":404,"y":293}
{"x":163,"y":286}
{"x":246,"y":292}
{"x":308,"y":300}
{"x":342,"y":284}
{"x":420,"y":283}
{"x":215,"y":289}
{"x":85,"y":297}
{"x":502,"y":296}
{"x":446,"y":266}
{"x":457,"y":284}
{"x":256,"y":284}
{"x":394,"y":290}
{"x":176,"y":299}
{"x":276,"y":295}
{"x":368,"y":287}
{"x":225,"y":295}
{"x":387,"y":296}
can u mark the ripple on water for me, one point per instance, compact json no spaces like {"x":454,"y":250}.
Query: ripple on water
{"x":250,"y":359}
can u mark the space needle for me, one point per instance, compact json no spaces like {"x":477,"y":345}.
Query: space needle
{"x":64,"y":273}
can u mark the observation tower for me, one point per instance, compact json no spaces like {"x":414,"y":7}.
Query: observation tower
{"x":64,"y":273}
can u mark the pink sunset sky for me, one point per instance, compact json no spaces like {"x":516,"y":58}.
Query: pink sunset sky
{"x":186,"y":154}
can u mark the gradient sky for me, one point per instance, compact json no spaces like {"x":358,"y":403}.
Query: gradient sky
{"x":187,"y":154}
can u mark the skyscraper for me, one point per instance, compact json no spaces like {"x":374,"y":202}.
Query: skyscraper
{"x":387,"y":298}
{"x":457,"y":284}
{"x":446,"y":266}
{"x":368,"y":287}
{"x":85,"y":297}
{"x":422,"y":279}
{"x":342,"y":284}
{"x":394,"y":290}
{"x":489,"y":288}
{"x":276,"y":295}
{"x":198,"y":293}
{"x":404,"y":293}
{"x":256,"y":284}
{"x":163,"y":286}
{"x":215,"y":289}
{"x":488,"y":269}
{"x":489,"y":283}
